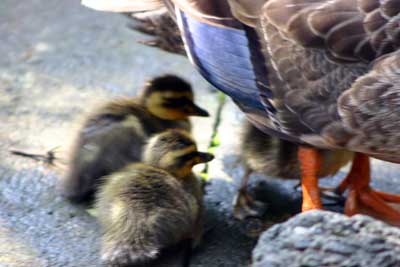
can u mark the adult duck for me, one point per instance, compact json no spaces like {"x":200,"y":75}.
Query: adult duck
{"x":323,"y":74}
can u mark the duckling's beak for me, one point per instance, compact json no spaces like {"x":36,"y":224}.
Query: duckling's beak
{"x":198,"y":111}
{"x":205,"y":157}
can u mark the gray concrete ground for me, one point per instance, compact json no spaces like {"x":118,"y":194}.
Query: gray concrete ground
{"x":58,"y":59}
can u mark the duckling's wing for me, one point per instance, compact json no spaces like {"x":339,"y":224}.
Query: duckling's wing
{"x":117,"y":139}
{"x":123,"y":5}
{"x":100,"y":124}
{"x":103,"y":146}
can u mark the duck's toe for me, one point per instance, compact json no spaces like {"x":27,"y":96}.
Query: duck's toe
{"x":245,"y":206}
{"x":373,"y":203}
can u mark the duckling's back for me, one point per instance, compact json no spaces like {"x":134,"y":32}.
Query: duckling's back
{"x":269,"y":155}
{"x":111,"y":137}
{"x":143,"y":210}
{"x":278,"y":158}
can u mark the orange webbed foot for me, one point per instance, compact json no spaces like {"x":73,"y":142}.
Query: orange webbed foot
{"x":370,"y":202}
{"x":362,"y":199}
{"x":245,"y":206}
{"x":391,"y":198}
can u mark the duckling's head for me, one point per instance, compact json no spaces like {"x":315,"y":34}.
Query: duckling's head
{"x":170,"y":98}
{"x":174,"y":151}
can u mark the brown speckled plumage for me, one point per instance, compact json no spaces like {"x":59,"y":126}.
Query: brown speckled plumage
{"x":113,"y":135}
{"x":148,"y":207}
{"x":322,"y":51}
{"x":142,"y":210}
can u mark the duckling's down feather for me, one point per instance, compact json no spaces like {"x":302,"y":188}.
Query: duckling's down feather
{"x":111,"y":137}
{"x":104,"y":144}
{"x":143,"y":210}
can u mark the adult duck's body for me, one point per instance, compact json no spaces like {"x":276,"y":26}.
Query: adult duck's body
{"x":316,"y":72}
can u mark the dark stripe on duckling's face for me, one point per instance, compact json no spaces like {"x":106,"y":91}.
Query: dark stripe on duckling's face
{"x":174,"y":151}
{"x":171,"y":105}
{"x":176,"y":102}
{"x":176,"y":141}
{"x":184,"y":104}
{"x":184,"y":159}
{"x":193,"y":158}
{"x":170,"y":97}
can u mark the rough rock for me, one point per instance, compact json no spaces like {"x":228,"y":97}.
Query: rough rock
{"x":326,"y":239}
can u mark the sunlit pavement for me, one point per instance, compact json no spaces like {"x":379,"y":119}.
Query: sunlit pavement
{"x":57,"y":60}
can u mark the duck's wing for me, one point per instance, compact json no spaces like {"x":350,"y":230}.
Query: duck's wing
{"x":323,"y":51}
{"x":228,"y":54}
{"x":370,"y":112}
{"x":350,"y":30}
{"x":247,"y":11}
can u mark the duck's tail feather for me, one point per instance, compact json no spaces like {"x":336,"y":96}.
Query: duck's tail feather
{"x":162,"y":26}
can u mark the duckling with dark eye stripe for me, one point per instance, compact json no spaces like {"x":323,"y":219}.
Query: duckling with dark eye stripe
{"x":114,"y":134}
{"x":148,"y":207}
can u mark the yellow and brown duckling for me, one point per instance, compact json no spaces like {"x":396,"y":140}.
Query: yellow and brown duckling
{"x":275,"y":157}
{"x":114,"y":134}
{"x":147,"y":207}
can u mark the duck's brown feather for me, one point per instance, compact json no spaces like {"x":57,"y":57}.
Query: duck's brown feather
{"x":349,"y":30}
{"x":370,"y":111}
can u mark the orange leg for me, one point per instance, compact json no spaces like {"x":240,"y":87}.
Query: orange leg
{"x":362,"y":199}
{"x":310,"y":163}
{"x":342,"y":186}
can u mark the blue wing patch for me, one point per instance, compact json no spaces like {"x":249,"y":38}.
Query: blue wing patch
{"x":229,"y":61}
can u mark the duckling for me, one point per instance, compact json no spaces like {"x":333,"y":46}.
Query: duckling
{"x":115,"y":133}
{"x":275,"y":157}
{"x":148,"y":207}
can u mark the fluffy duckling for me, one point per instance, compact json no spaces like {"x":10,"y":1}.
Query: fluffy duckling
{"x":147,"y":207}
{"x":114,"y":134}
{"x":277,"y":158}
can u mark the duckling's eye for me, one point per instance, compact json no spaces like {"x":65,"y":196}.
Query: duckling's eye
{"x":187,"y":158}
{"x":175,"y":102}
